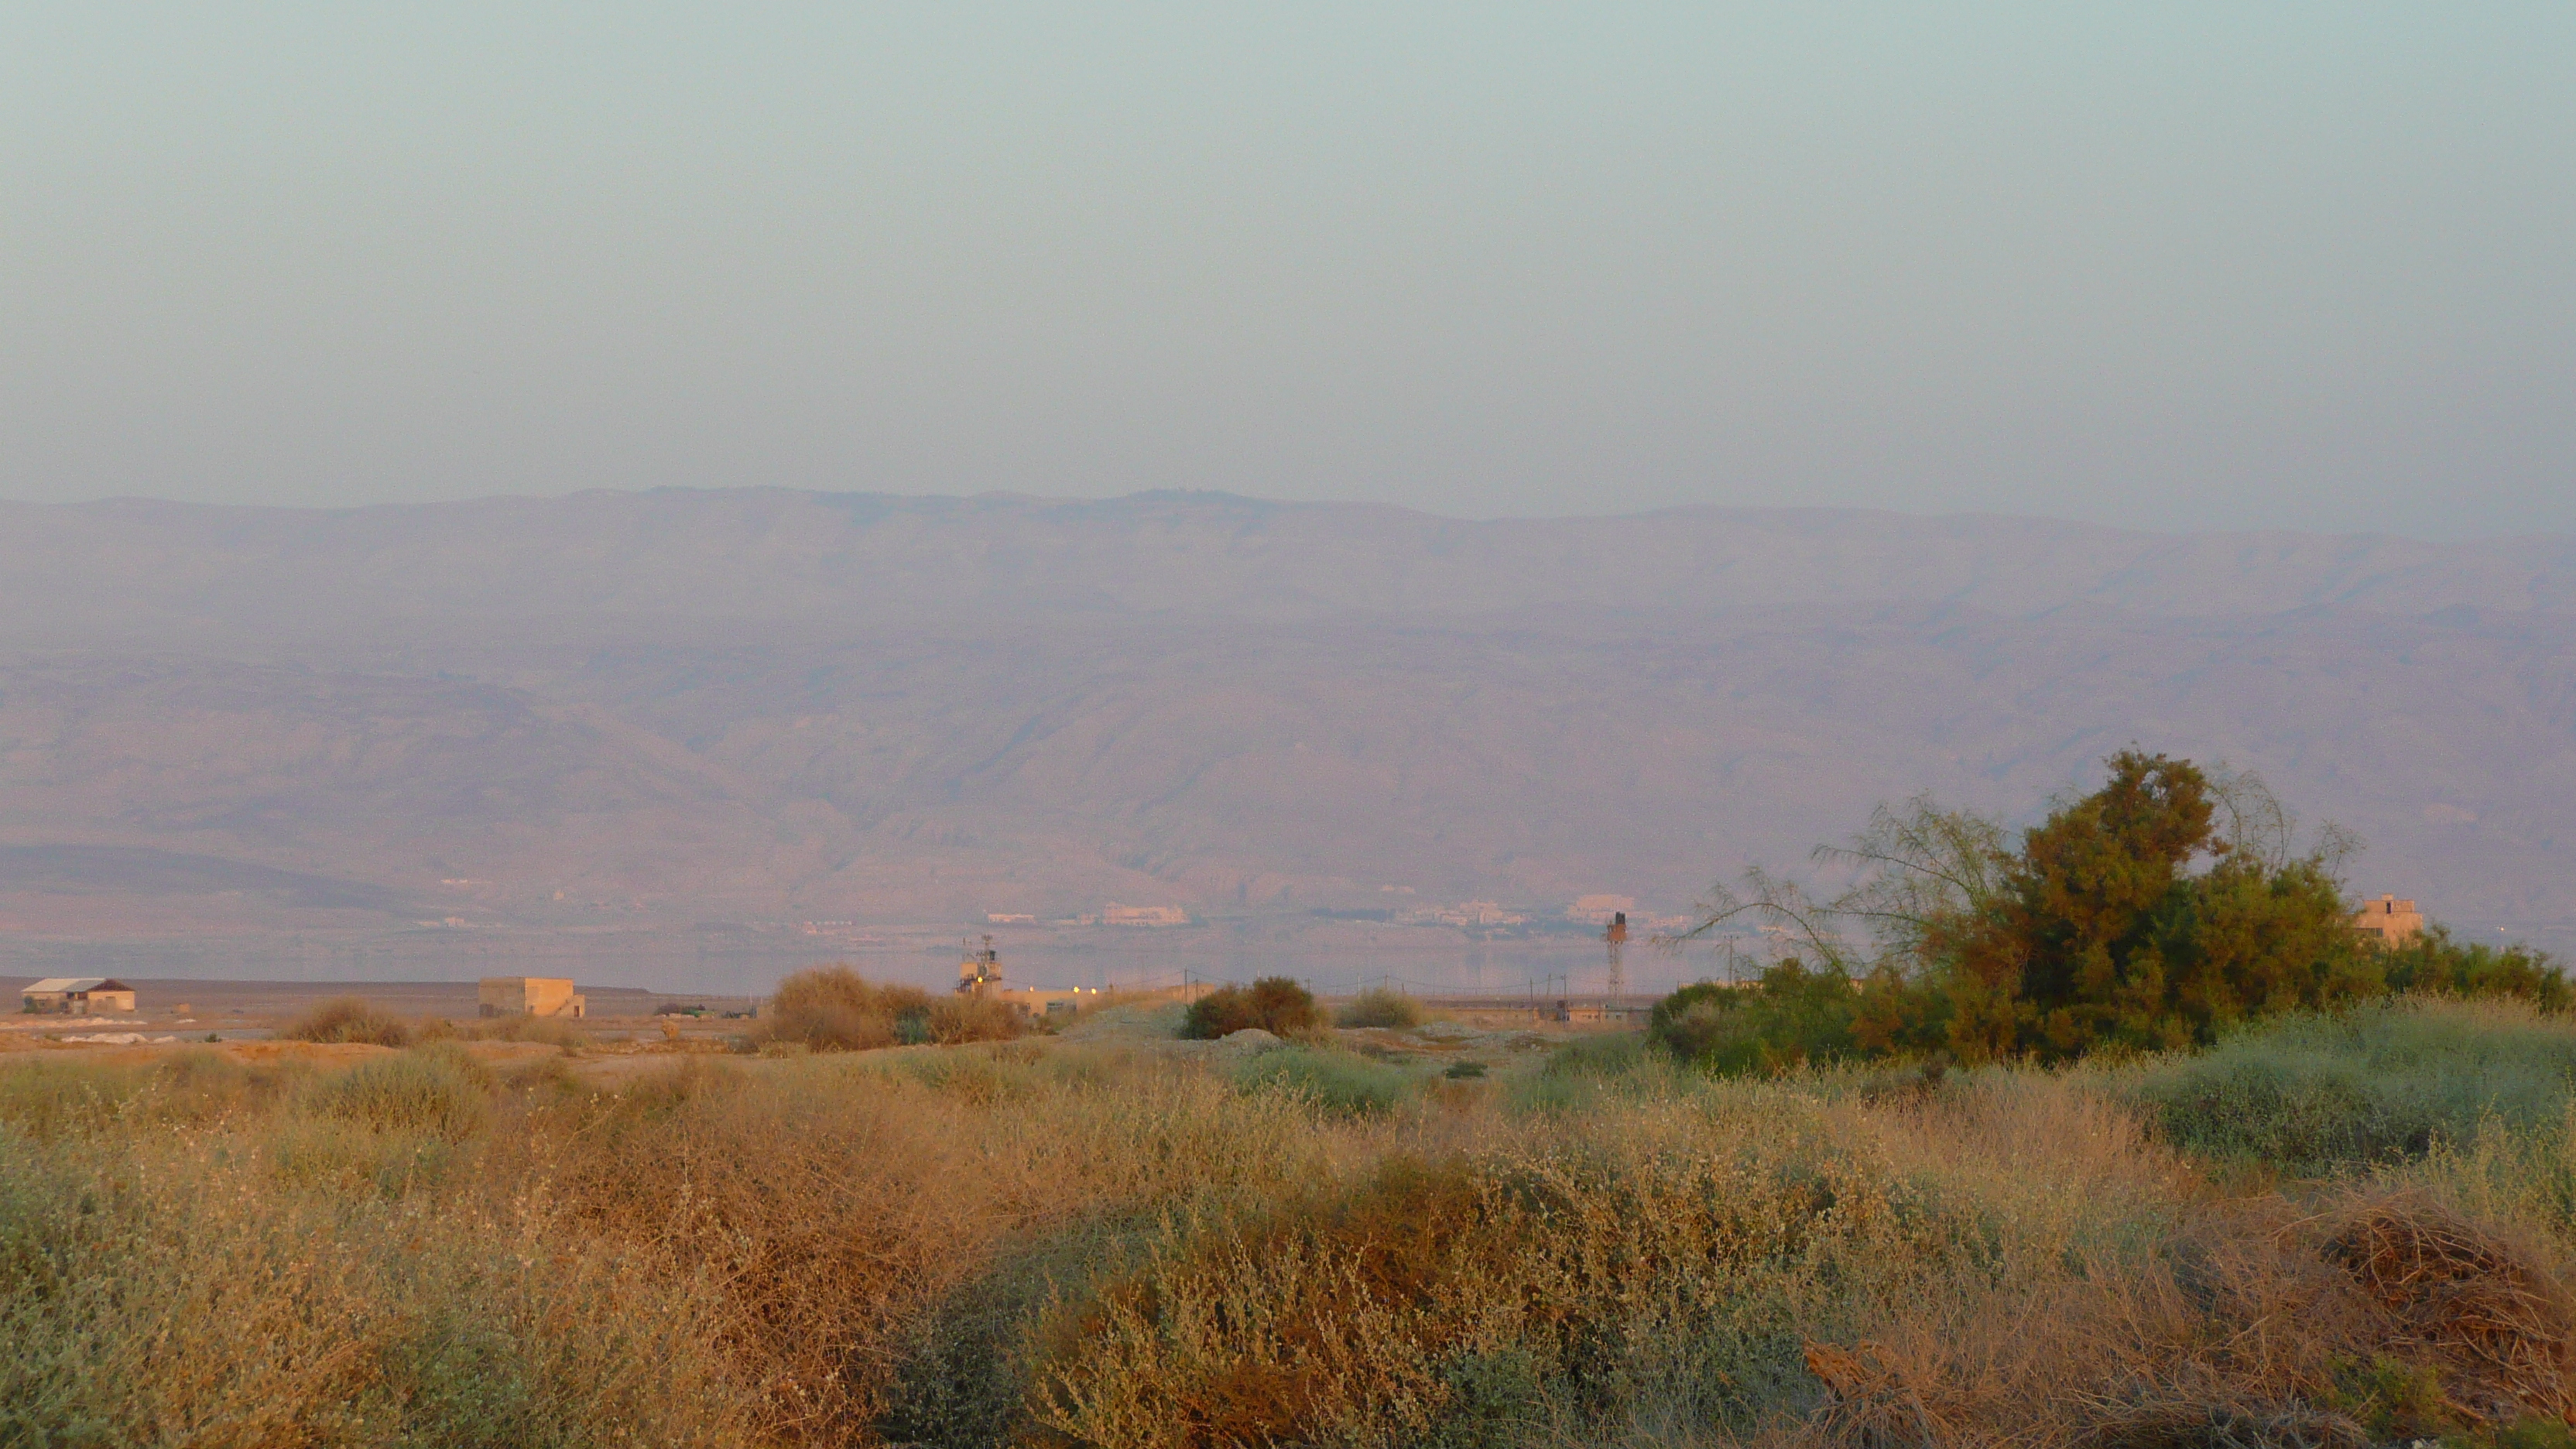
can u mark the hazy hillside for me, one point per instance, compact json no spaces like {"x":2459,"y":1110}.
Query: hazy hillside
{"x":702,"y":707}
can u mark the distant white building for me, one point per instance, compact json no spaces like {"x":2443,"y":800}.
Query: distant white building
{"x":1597,"y":910}
{"x":1115,"y":914}
{"x":76,"y":996}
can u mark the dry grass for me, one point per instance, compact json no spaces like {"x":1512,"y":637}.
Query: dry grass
{"x":554,"y":1031}
{"x":1049,"y":1243}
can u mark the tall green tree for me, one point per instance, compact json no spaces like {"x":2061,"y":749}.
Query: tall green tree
{"x":2154,"y":912}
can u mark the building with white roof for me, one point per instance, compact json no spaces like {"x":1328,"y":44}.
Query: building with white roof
{"x":76,"y":996}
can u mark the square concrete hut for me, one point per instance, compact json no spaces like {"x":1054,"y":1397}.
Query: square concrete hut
{"x":77,"y":996}
{"x":2395,"y":922}
{"x":528,"y":996}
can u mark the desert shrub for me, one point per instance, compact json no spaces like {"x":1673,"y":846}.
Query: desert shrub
{"x":1789,"y":1017}
{"x":347,"y":1019}
{"x":840,"y":1203}
{"x":1589,"y":1072}
{"x":243,"y":1310}
{"x":435,"y":1091}
{"x":835,"y":1009}
{"x":1331,"y":1079}
{"x":1275,"y":1004}
{"x":953,"y":1020}
{"x":192,"y":1086}
{"x":2399,"y":1316}
{"x":1380,"y":1006}
{"x":2311,"y":1094}
{"x":1464,"y":1071}
{"x":1541,"y":1286}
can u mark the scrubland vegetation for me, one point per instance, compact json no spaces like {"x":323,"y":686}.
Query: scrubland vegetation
{"x":835,"y":1009}
{"x":2329,"y":1230}
{"x":2227,"y":1179}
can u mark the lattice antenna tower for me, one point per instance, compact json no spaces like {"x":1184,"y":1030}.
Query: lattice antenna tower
{"x":1614,"y":938}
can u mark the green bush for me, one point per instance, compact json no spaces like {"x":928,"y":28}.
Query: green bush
{"x":2381,"y":1083}
{"x":1275,"y":1004}
{"x":1790,"y":1017}
{"x":1381,"y":1006}
{"x":434,"y":1091}
{"x":348,"y":1019}
{"x":2434,"y":964}
{"x":1332,"y":1079}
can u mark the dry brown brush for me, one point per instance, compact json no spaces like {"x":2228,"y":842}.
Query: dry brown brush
{"x":2387,"y":1315}
{"x":348,"y":1019}
{"x":1050,"y":1244}
{"x":835,"y":1009}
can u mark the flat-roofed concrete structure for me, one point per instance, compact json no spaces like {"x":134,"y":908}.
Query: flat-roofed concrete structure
{"x":77,"y":996}
{"x":528,"y":996}
{"x":2392,"y":921}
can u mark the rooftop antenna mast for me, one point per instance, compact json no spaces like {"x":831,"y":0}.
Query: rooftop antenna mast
{"x":1614,"y":938}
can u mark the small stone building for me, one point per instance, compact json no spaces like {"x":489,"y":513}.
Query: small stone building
{"x":2389,"y":920}
{"x":528,"y":996}
{"x":77,"y":996}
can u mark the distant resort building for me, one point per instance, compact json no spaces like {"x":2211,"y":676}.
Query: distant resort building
{"x":980,"y":975}
{"x":528,"y":996}
{"x":1115,"y":914}
{"x":76,"y":996}
{"x":2392,"y":921}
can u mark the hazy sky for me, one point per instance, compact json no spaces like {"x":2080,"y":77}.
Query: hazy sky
{"x":2230,"y":265}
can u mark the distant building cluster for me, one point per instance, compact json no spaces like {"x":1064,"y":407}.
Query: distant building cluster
{"x":1114,"y":914}
{"x":1464,"y":914}
{"x":2392,"y":921}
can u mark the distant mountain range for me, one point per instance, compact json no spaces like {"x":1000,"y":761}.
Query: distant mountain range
{"x":701,"y":708}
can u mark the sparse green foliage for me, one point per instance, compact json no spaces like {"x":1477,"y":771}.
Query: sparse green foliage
{"x":1275,"y":1004}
